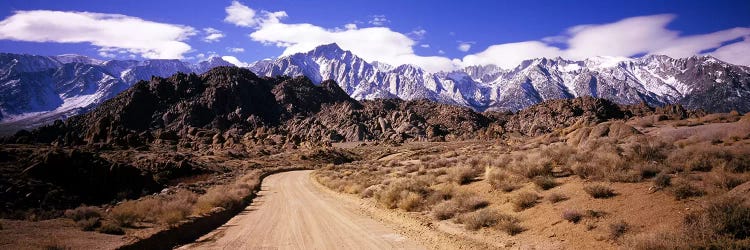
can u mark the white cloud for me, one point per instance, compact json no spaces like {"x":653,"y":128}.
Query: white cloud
{"x":235,"y":61}
{"x":464,"y":46}
{"x":417,"y":34}
{"x":737,"y":53}
{"x":509,"y":55}
{"x":379,"y":20}
{"x":240,"y":15}
{"x":212,"y":35}
{"x":235,"y":50}
{"x":205,"y":56}
{"x":108,"y":32}
{"x":627,"y":37}
{"x":372,"y":44}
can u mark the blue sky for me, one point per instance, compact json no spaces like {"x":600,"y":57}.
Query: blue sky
{"x":436,"y":35}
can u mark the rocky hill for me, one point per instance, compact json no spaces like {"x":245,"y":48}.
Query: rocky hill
{"x":232,"y":106}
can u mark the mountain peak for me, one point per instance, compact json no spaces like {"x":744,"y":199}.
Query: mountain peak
{"x":331,"y":50}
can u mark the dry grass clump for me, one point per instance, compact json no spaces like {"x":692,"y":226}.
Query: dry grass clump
{"x":648,"y":150}
{"x":556,"y":197}
{"x":618,"y":229}
{"x":533,"y":168}
{"x":525,"y":200}
{"x":488,"y":217}
{"x":227,"y":196}
{"x":699,"y":158}
{"x":545,"y":182}
{"x":127,"y":213}
{"x":723,"y":224}
{"x":462,"y":203}
{"x":572,"y":216}
{"x":463,"y":174}
{"x":502,"y":180}
{"x":83,"y":212}
{"x":599,"y":191}
{"x":111,"y":228}
{"x":86,"y":217}
{"x":445,"y":210}
{"x":683,"y":190}
{"x":404,"y":193}
{"x":605,"y":163}
{"x":168,"y":210}
{"x":726,"y":180}
{"x":662,"y":180}
{"x":657,"y":241}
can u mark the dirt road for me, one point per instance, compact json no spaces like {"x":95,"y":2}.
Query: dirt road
{"x":291,"y":212}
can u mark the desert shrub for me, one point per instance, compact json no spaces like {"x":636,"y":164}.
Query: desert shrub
{"x":509,"y":225}
{"x":572,"y":216}
{"x":585,"y":170}
{"x":473,"y":203}
{"x":111,"y":228}
{"x":662,"y":180}
{"x":599,"y":191}
{"x":409,"y":202}
{"x":54,"y":245}
{"x":724,"y":217}
{"x":545,"y":182}
{"x":559,"y":154}
{"x":534,"y":169}
{"x":525,"y":200}
{"x":370,"y":191}
{"x":167,"y":210}
{"x":391,"y":196}
{"x":648,"y":151}
{"x":445,"y":210}
{"x":556,"y":197}
{"x":502,"y":180}
{"x":657,"y":241}
{"x":648,"y":170}
{"x":175,"y":208}
{"x":462,"y":203}
{"x":739,"y":163}
{"x":83,"y":213}
{"x":127,"y":213}
{"x":698,"y":158}
{"x":220,"y":196}
{"x":463,"y":174}
{"x":617,"y":229}
{"x":726,"y":180}
{"x":88,"y":224}
{"x":683,"y":190}
{"x":485,"y":217}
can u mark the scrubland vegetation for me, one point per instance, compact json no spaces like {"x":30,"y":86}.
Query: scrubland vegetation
{"x":494,"y":186}
{"x":167,"y":209}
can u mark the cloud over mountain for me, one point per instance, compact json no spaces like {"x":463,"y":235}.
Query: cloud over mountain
{"x":108,"y":32}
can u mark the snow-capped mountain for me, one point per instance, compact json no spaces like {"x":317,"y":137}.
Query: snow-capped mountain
{"x":39,"y":89}
{"x":696,"y":82}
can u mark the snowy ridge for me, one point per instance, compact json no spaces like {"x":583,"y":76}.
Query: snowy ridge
{"x":35,"y":90}
{"x":656,"y":80}
{"x":38,"y":89}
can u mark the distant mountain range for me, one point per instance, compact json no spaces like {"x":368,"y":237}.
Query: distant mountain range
{"x":35,"y":90}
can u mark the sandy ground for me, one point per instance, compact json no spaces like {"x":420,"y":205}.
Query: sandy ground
{"x":291,"y":212}
{"x":53,"y":234}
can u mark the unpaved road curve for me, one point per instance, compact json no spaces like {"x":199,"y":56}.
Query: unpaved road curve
{"x":291,"y":212}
